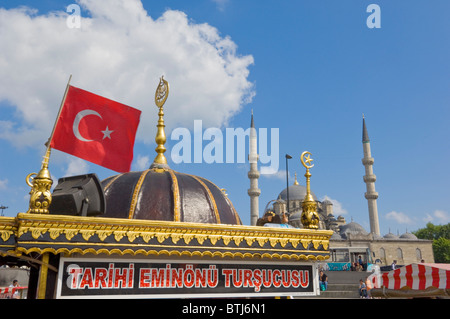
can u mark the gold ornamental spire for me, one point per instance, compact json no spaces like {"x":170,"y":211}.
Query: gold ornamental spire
{"x":161,"y":94}
{"x":309,"y":218}
{"x":296,"y":182}
{"x":40,"y":195}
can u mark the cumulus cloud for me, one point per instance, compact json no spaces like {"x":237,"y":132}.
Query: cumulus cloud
{"x":119,"y":51}
{"x":438,"y":216}
{"x":76,"y":166}
{"x":142,"y":163}
{"x":3,"y":184}
{"x":280,"y":174}
{"x":399,"y":217}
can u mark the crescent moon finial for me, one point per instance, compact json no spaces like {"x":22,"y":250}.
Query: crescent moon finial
{"x":306,"y":159}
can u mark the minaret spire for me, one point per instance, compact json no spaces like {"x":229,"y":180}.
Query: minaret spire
{"x":253,"y":175}
{"x":370,"y":178}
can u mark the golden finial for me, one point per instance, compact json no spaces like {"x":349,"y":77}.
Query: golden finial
{"x":309,"y":218}
{"x":161,"y":94}
{"x":296,"y":182}
{"x":40,"y":195}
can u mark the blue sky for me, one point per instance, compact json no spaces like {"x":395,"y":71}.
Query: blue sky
{"x":308,"y":68}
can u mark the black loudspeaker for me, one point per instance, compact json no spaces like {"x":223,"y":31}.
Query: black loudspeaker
{"x":78,"y":195}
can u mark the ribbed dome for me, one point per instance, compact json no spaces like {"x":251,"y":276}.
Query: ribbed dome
{"x":390,"y":236}
{"x":408,"y":236}
{"x":296,"y":192}
{"x":352,"y":228}
{"x":167,"y":195}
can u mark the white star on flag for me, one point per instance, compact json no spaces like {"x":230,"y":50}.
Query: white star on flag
{"x":107,"y":133}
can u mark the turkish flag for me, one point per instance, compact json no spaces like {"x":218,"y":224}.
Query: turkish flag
{"x":96,"y":129}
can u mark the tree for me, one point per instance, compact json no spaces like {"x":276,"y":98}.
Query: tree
{"x":440,"y":234}
{"x":441,"y":250}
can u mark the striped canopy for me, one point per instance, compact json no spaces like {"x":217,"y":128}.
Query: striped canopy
{"x":414,"y":276}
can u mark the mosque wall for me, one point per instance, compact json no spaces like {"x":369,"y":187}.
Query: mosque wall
{"x":404,"y":252}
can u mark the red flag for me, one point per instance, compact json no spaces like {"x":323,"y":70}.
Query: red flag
{"x":96,"y":129}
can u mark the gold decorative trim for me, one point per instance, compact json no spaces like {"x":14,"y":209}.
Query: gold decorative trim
{"x":201,"y":254}
{"x":176,"y":197}
{"x":135,"y":196}
{"x":131,"y":236}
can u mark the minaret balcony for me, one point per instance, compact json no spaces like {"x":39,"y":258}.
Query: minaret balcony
{"x":373,"y":195}
{"x":370,"y":178}
{"x":253,"y":174}
{"x":368,"y":161}
{"x":254,"y":192}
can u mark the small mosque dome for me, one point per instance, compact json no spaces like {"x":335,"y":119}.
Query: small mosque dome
{"x":336,"y":236}
{"x":325,"y":202}
{"x":390,"y":236}
{"x":409,"y":236}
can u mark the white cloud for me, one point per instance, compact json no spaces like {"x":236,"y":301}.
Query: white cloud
{"x":3,"y":183}
{"x":118,"y":52}
{"x":438,"y":216}
{"x":338,"y":209}
{"x":399,"y":217}
{"x":280,"y":174}
{"x":220,"y":4}
{"x":77,"y":166}
{"x":142,"y":163}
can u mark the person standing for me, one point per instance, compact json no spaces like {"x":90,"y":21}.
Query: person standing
{"x":394,"y":265}
{"x":15,"y":294}
{"x":362,"y":289}
{"x":323,"y":280}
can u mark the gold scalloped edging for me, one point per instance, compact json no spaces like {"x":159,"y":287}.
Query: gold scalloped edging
{"x":104,"y":232}
{"x":171,"y":253}
{"x":8,"y":228}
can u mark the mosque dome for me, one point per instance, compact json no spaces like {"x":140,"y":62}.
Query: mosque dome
{"x":296,"y":192}
{"x":352,"y":228}
{"x":336,"y":236}
{"x":156,"y":194}
{"x":408,"y":236}
{"x":390,"y":236}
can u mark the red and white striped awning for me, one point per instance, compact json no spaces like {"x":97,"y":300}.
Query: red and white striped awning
{"x":415,"y":276}
{"x":11,"y":290}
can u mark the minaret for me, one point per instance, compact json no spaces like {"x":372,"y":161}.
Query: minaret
{"x":370,"y":178}
{"x":253,"y":175}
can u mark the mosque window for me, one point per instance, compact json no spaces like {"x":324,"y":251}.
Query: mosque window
{"x":382,"y":254}
{"x":418,"y":254}
{"x":399,"y":253}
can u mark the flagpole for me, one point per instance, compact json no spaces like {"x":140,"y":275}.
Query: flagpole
{"x":40,"y":183}
{"x":49,"y":141}
{"x":59,"y":112}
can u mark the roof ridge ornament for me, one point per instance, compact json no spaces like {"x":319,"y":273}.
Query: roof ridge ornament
{"x":161,"y":94}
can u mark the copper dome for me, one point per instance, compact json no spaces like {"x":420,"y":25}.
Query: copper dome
{"x":156,"y":194}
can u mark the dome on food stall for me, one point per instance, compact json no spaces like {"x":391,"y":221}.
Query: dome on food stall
{"x":156,"y":194}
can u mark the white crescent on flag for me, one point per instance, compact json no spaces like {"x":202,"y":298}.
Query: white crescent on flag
{"x":77,"y":121}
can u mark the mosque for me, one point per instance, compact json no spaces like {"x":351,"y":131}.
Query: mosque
{"x":350,"y":241}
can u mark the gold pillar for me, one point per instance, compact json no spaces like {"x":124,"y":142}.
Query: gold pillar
{"x":42,"y":285}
